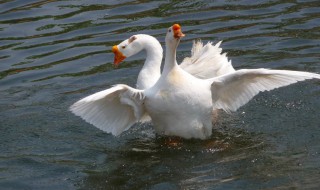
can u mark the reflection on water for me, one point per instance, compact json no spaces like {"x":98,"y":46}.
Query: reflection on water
{"x":54,"y":52}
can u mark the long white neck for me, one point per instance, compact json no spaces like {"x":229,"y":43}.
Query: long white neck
{"x":151,"y":70}
{"x":170,"y":58}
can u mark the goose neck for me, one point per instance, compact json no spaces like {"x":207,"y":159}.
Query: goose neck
{"x":170,"y":59}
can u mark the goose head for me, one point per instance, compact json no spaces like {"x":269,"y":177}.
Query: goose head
{"x":126,"y":49}
{"x":174,"y":35}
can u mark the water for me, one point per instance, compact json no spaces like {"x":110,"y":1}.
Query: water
{"x":54,"y":52}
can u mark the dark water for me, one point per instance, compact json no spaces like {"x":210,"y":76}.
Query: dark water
{"x":54,"y":52}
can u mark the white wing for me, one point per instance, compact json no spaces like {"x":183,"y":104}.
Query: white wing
{"x":113,"y":110}
{"x":207,"y":61}
{"x":231,"y":91}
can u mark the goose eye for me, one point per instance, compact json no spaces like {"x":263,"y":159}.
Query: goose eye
{"x":123,"y":47}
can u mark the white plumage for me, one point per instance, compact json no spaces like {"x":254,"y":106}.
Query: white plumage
{"x":229,"y":92}
{"x":113,"y":110}
{"x":180,"y":104}
{"x":206,"y":61}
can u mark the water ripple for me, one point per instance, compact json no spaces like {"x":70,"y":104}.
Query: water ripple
{"x":54,"y":52}
{"x":55,"y":30}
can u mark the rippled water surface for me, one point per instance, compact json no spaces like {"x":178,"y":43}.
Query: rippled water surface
{"x":53,"y":52}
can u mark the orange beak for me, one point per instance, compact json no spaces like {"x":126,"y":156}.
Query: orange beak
{"x":118,"y":56}
{"x":177,"y":31}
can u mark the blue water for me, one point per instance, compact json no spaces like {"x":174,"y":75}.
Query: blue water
{"x":53,"y":53}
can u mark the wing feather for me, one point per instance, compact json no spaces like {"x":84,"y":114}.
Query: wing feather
{"x":113,"y":110}
{"x":206,"y":61}
{"x":231,"y":91}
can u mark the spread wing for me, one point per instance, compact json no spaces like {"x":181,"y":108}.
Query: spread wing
{"x":113,"y":110}
{"x":231,"y":91}
{"x":206,"y":61}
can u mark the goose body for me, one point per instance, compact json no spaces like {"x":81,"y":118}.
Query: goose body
{"x":175,"y":105}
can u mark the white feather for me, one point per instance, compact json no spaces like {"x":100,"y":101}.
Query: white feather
{"x":206,"y":61}
{"x":113,"y":110}
{"x":231,"y":91}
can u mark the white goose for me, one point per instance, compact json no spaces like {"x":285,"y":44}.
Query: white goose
{"x":179,"y":103}
{"x":205,"y":61}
